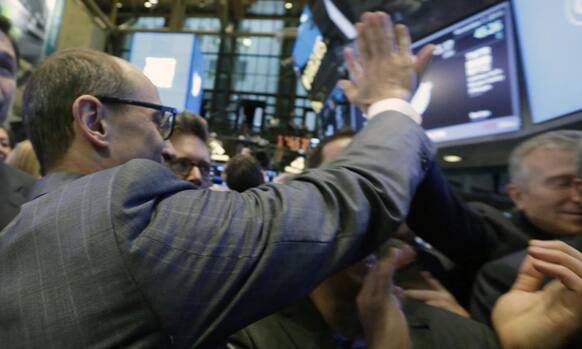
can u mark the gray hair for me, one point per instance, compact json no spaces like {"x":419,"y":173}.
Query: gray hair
{"x":52,"y":89}
{"x":561,"y":139}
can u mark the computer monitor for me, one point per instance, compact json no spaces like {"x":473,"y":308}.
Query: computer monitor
{"x":550,"y":37}
{"x":173,"y":62}
{"x":470,"y":87}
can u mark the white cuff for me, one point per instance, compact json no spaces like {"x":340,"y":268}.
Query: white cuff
{"x":394,"y":104}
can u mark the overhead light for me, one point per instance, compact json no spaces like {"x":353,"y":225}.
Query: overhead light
{"x":452,"y":158}
{"x":288,"y":5}
{"x":147,"y":4}
{"x":119,"y":5}
{"x":247,"y":42}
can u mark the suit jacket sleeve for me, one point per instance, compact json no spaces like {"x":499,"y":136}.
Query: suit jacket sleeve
{"x":469,"y":237}
{"x":210,"y":262}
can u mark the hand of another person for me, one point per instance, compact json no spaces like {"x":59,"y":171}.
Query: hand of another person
{"x":386,"y":67}
{"x":437,"y":296}
{"x":380,"y":314}
{"x":532,"y":317}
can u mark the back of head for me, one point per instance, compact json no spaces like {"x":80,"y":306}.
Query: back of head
{"x":316,"y":158}
{"x":191,"y":124}
{"x":24,"y":159}
{"x":52,"y":89}
{"x":243,"y":172}
{"x":563,"y":140}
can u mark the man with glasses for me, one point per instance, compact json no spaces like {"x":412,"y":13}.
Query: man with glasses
{"x":115,"y":251}
{"x":192,"y":161}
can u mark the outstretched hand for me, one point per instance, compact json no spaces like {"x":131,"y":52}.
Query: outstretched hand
{"x":532,"y":317}
{"x":380,"y":314}
{"x":386,"y":67}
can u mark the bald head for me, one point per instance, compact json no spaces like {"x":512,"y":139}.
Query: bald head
{"x":53,"y":88}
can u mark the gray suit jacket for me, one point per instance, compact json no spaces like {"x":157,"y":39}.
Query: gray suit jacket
{"x":132,"y":257}
{"x":15,"y":186}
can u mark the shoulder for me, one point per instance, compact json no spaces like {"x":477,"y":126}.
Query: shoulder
{"x":15,"y":178}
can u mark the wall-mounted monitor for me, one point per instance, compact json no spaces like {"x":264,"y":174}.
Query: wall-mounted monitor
{"x":470,"y":87}
{"x":550,"y":38}
{"x":173,"y":62}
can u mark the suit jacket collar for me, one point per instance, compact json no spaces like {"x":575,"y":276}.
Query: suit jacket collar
{"x":52,"y":181}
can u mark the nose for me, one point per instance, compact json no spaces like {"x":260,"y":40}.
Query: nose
{"x":195,"y":176}
{"x":168,"y":152}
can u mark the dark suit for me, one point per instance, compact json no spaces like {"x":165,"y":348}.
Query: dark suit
{"x":132,"y":257}
{"x":15,"y":187}
{"x":301,"y":326}
{"x":469,"y":234}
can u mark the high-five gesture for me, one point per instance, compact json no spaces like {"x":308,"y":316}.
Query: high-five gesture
{"x":386,"y":67}
{"x":532,"y":317}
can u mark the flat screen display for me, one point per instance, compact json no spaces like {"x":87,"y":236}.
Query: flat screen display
{"x":173,"y":62}
{"x":550,"y":38}
{"x":470,"y":87}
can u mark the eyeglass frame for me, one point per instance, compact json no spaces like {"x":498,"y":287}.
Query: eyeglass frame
{"x":162,"y":108}
{"x":184,"y":174}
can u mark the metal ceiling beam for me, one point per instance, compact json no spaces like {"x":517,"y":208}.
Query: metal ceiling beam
{"x":286,"y":34}
{"x":177,"y":15}
{"x":96,"y":11}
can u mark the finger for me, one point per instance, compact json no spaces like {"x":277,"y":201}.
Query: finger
{"x":403,"y":39}
{"x":382,"y":274}
{"x":528,"y":279}
{"x":353,"y":66}
{"x":572,"y":281}
{"x":558,"y":245}
{"x":383,"y":34}
{"x":422,"y":295}
{"x":362,"y":41}
{"x":432,"y":282}
{"x":423,"y":58}
{"x":407,"y":256}
{"x":558,"y":257}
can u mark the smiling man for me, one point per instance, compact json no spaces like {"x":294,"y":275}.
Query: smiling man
{"x":543,"y":173}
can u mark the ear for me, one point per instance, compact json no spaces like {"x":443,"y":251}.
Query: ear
{"x":88,"y":115}
{"x":516,"y":193}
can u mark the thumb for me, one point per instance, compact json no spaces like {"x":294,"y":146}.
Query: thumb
{"x":350,"y":90}
{"x":528,"y":279}
{"x":423,"y":58}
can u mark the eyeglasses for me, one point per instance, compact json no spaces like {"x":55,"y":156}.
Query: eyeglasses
{"x":167,"y":116}
{"x":183,"y":166}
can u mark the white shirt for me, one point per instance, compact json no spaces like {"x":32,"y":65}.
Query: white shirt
{"x":394,"y":104}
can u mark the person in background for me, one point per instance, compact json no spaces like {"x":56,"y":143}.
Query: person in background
{"x":15,"y":185}
{"x":118,"y":252}
{"x":189,"y":140}
{"x":543,"y":171}
{"x":5,"y":144}
{"x":328,"y":318}
{"x":24,"y":159}
{"x":243,"y":172}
